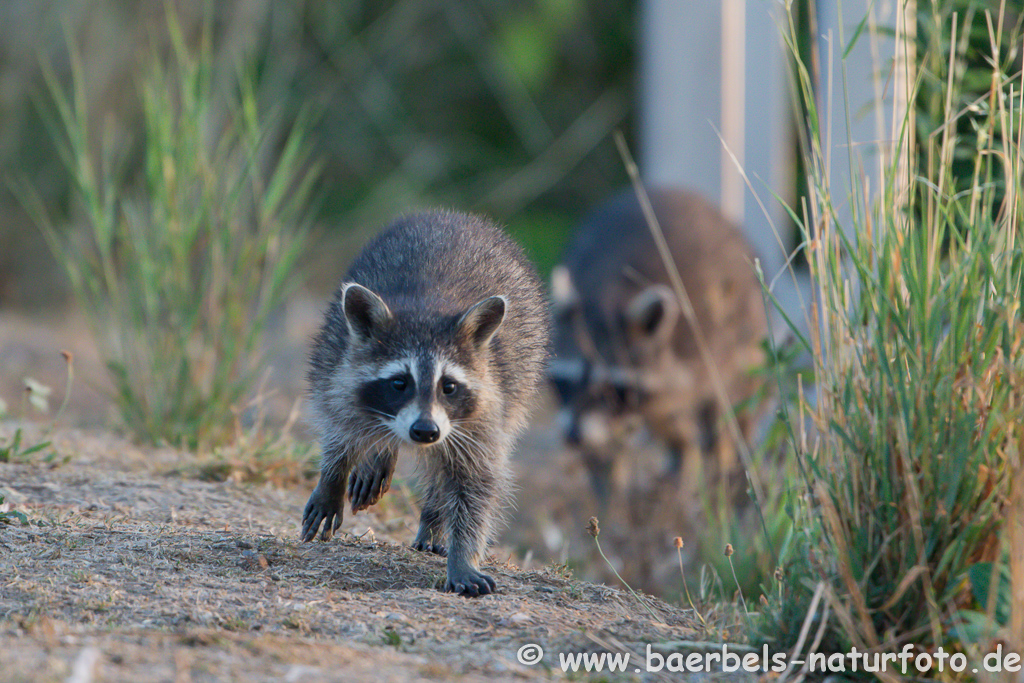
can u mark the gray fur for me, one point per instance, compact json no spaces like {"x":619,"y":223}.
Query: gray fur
{"x":626,"y":356}
{"x":449,"y":292}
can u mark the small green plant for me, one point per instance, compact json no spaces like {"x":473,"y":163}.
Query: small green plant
{"x":236,"y":624}
{"x":11,"y":516}
{"x":391,"y":638}
{"x":36,"y":395}
{"x":182,"y":266}
{"x":562,"y":570}
{"x":13,"y":451}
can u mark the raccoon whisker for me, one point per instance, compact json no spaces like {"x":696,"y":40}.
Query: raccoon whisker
{"x":390,"y":439}
{"x":362,"y":430}
{"x":365,"y":433}
{"x":378,"y":412}
{"x":371,"y":429}
{"x":383,"y":436}
{"x":458,"y":436}
{"x":477,"y":447}
{"x":455,"y":439}
{"x":456,"y":449}
{"x":449,"y":449}
{"x":374,"y":446}
{"x":362,"y":425}
{"x":470,"y":446}
{"x":374,"y":433}
{"x":466,"y":452}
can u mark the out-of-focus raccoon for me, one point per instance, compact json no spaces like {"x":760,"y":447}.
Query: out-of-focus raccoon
{"x":625,"y":357}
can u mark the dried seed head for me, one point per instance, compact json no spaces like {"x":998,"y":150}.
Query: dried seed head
{"x":679,"y":541}
{"x":68,"y":357}
{"x":778,"y":574}
{"x":764,"y":600}
{"x":728,"y":549}
{"x":592,"y":528}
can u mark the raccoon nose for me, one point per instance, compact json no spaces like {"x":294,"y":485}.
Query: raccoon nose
{"x":424,"y":430}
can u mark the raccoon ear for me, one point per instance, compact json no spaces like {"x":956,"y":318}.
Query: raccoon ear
{"x":364,"y":310}
{"x":482,"y":320}
{"x":653,"y":313}
{"x":563,"y":291}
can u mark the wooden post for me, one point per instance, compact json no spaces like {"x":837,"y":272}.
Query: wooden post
{"x":710,"y":68}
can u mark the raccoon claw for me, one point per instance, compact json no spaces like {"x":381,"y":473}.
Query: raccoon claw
{"x":471,"y":584}
{"x":361,"y":492}
{"x":368,"y":483}
{"x":320,"y":512}
{"x":425,"y":547}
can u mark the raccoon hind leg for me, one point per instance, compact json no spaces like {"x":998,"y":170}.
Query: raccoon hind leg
{"x":371,"y":479}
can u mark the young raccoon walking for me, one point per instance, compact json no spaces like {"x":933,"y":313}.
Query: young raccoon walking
{"x":624,"y":356}
{"x":436,"y":341}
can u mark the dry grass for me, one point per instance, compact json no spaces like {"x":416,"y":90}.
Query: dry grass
{"x":918,"y":354}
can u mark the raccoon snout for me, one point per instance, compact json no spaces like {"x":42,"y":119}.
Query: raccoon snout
{"x":424,"y":430}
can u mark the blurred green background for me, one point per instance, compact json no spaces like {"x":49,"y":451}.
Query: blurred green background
{"x":493,"y":106}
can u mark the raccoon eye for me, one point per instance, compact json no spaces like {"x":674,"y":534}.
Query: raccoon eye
{"x":448,"y":387}
{"x":399,"y":384}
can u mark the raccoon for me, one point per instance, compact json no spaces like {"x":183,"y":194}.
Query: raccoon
{"x":624,"y":357}
{"x":435,"y":343}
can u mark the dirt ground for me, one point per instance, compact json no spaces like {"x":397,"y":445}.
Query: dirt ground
{"x":132,"y":572}
{"x":135,"y":569}
{"x":554,"y":498}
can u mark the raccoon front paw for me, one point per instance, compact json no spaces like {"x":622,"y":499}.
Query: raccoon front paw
{"x":428,"y":547}
{"x":470,"y":583}
{"x":370,"y":481}
{"x":322,"y":509}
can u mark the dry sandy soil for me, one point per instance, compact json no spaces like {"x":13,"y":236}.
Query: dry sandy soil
{"x":554,"y":497}
{"x":133,"y":570}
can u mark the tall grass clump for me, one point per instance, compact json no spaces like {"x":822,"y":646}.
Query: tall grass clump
{"x":910,"y":520}
{"x":179,"y":268}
